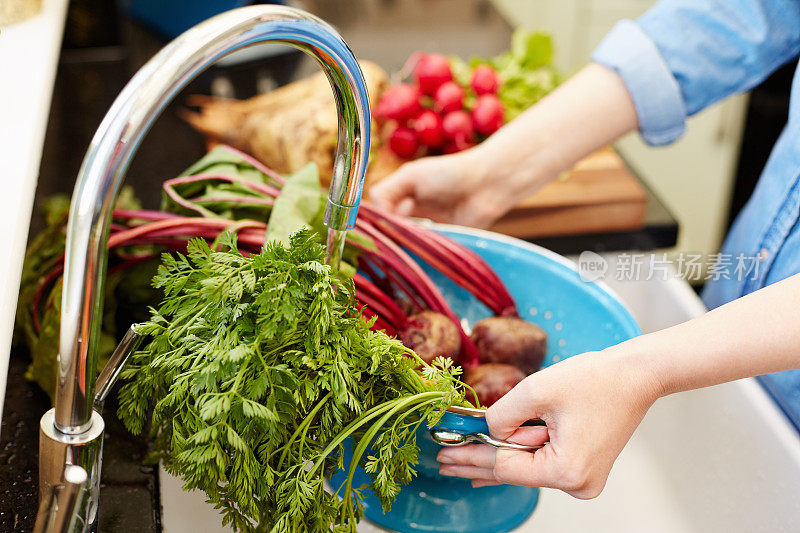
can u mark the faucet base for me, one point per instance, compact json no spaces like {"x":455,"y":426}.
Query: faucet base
{"x":57,"y":450}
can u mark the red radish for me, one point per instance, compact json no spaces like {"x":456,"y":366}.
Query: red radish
{"x":429,"y":129}
{"x":488,"y":113}
{"x":431,"y":335}
{"x":432,"y":70}
{"x":457,"y":126}
{"x":403,"y":142}
{"x":510,"y":340}
{"x":399,"y":102}
{"x":492,"y":381}
{"x":449,"y":97}
{"x":485,"y":80}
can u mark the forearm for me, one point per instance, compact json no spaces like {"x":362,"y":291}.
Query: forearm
{"x":756,"y":334}
{"x":587,"y":112}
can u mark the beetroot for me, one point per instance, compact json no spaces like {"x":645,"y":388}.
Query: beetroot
{"x":492,"y":381}
{"x":403,"y":142}
{"x":429,"y":129}
{"x":457,"y":126}
{"x":510,"y":340}
{"x":431,"y":72}
{"x":485,"y":80}
{"x":449,"y":97}
{"x":487,"y":116}
{"x":399,"y":102}
{"x":431,"y":335}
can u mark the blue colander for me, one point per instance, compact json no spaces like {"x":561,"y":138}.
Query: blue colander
{"x":577,"y":316}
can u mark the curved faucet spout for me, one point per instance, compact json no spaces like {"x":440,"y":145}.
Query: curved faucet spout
{"x":126,"y":123}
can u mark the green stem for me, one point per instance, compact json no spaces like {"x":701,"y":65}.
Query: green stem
{"x":360,"y":421}
{"x":400,"y":419}
{"x":302,"y":427}
{"x":367,"y":438}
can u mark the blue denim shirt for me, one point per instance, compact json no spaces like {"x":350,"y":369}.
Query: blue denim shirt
{"x":683,"y":55}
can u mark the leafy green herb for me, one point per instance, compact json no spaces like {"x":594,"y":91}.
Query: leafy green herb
{"x":258,"y":370}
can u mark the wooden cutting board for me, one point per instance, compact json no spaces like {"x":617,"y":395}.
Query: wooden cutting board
{"x":599,"y":195}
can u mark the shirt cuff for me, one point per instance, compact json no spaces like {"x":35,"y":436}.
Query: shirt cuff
{"x":656,"y":94}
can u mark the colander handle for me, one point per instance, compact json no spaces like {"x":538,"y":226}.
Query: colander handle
{"x":497,"y":443}
{"x":444,"y":437}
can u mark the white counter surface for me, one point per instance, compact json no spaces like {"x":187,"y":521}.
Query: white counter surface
{"x":29,"y":53}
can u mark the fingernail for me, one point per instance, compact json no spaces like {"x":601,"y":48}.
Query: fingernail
{"x":445,"y":471}
{"x":445,"y":459}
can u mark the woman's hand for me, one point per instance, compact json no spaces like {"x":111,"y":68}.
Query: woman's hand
{"x":452,"y":188}
{"x":591,"y":403}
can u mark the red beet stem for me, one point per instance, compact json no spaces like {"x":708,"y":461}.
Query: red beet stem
{"x":373,"y":265}
{"x":451,"y":245}
{"x":143,"y":214}
{"x":377,"y":300}
{"x":380,"y":324}
{"x":48,"y":280}
{"x":237,"y":201}
{"x":462,"y":275}
{"x":182,"y":224}
{"x":402,"y":284}
{"x":457,"y":262}
{"x":404,"y":265}
{"x":381,"y":280}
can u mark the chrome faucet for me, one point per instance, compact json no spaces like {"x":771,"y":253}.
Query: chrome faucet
{"x":71,"y":434}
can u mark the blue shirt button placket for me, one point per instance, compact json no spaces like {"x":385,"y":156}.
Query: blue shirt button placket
{"x":785,"y":220}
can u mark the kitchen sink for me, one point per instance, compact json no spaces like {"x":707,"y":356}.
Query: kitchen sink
{"x":721,"y":459}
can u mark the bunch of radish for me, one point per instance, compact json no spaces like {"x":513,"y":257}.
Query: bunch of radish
{"x":433,"y":113}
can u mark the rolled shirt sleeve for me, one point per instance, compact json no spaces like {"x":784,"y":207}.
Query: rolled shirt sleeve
{"x":651,"y":84}
{"x":683,"y":55}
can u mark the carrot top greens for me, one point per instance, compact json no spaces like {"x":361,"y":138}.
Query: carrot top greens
{"x":257,"y":370}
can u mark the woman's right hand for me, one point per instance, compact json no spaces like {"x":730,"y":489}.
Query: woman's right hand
{"x":455,"y":188}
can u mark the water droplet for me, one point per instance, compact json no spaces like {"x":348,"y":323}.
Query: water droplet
{"x":533,"y":311}
{"x":548,"y":315}
{"x":562,"y":342}
{"x":556,"y":358}
{"x":559,"y":326}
